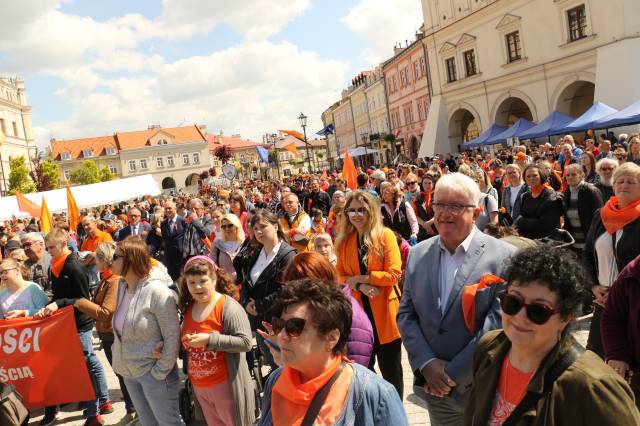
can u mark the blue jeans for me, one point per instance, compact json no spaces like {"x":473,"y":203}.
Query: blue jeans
{"x":156,"y":401}
{"x":96,"y":373}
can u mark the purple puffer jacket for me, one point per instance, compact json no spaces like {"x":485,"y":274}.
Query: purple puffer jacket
{"x":360,"y":341}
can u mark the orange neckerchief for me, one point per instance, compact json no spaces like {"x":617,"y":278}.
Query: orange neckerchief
{"x":291,"y":399}
{"x":58,"y":263}
{"x":537,"y":191}
{"x":106,"y":274}
{"x":615,"y":218}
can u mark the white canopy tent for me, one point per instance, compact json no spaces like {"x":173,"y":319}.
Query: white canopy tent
{"x":86,"y":195}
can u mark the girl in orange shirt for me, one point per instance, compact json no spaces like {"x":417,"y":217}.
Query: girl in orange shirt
{"x":215,"y":334}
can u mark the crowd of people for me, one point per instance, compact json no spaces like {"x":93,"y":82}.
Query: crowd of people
{"x":451,"y":257}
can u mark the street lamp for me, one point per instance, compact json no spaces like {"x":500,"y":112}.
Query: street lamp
{"x":274,"y":139}
{"x":303,"y":123}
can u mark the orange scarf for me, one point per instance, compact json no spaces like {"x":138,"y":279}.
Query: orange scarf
{"x":537,"y":191}
{"x":58,"y":263}
{"x":106,"y":274}
{"x":615,"y":218}
{"x":291,"y":399}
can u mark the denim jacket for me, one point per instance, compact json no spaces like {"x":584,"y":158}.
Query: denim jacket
{"x":371,"y":401}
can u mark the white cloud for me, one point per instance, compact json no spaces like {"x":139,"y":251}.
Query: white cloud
{"x":381,"y":23}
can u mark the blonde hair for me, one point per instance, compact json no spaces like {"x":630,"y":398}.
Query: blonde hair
{"x":233,"y":219}
{"x":626,"y":169}
{"x":374,"y":230}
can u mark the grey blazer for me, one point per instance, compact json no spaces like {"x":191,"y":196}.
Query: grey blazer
{"x":427,"y":332}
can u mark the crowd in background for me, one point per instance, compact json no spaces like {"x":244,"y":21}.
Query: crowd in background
{"x":451,"y":257}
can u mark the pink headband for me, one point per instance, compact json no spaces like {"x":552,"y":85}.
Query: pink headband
{"x":203,"y":258}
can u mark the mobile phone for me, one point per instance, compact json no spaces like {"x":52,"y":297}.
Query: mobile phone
{"x":272,"y":345}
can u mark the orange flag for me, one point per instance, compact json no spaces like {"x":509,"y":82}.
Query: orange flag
{"x":27,"y":206}
{"x":72,"y":210}
{"x":293,"y":133}
{"x":349,"y":172}
{"x":292,"y":148}
{"x":45,"y":217}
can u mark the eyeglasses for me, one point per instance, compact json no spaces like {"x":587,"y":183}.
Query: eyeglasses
{"x":607,"y":169}
{"x":454,"y":209}
{"x":118,"y":256}
{"x":413,"y":182}
{"x":293,"y":326}
{"x":537,"y":313}
{"x":226,"y":226}
{"x":2,"y":271}
{"x":360,"y":211}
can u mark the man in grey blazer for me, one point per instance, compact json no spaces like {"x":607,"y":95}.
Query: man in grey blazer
{"x":438,"y":340}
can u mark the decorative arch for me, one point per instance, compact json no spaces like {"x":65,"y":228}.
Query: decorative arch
{"x":192,"y":179}
{"x":168,"y":183}
{"x":514,"y":93}
{"x":574,"y":94}
{"x":463,"y":125}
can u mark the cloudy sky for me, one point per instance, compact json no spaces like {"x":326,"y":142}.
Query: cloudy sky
{"x":244,"y":66}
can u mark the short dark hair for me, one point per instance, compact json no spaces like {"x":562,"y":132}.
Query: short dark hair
{"x":330,"y":308}
{"x":556,"y":269}
{"x":544,"y":176}
{"x":362,"y":179}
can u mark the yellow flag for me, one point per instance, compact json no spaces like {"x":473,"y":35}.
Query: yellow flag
{"x":72,"y":210}
{"x":45,"y":217}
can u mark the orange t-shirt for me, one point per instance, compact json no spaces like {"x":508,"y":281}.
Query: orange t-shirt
{"x":90,"y":243}
{"x":512,"y":387}
{"x":207,"y":368}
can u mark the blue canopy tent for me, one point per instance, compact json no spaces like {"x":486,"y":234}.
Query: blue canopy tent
{"x":520,"y":126}
{"x":588,"y":120}
{"x":554,"y":121}
{"x":480,"y":140}
{"x":629,"y":115}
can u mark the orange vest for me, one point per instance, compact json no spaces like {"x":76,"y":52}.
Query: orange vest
{"x":303,"y":245}
{"x":384,"y":273}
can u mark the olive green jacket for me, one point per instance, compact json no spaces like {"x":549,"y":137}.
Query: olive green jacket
{"x":588,"y":393}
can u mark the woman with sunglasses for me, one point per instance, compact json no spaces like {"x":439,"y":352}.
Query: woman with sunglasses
{"x":514,"y":368}
{"x":541,"y":207}
{"x":422,"y":206}
{"x":317,"y":384}
{"x":612,"y":242}
{"x":226,"y":247}
{"x":412,"y":187}
{"x":369,"y":263}
{"x":397,"y":214}
{"x":18,"y":297}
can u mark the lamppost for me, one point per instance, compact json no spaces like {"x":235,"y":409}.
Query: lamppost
{"x":365,"y":136}
{"x":303,"y":123}
{"x":273,"y":140}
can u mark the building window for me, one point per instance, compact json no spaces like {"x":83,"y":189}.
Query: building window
{"x":196,"y":158}
{"x":185,"y":159}
{"x":514,"y":50}
{"x":143,"y":164}
{"x":423,"y":66}
{"x":15,"y":129}
{"x":395,"y":85}
{"x":170,"y":162}
{"x":132,"y":166}
{"x":416,"y":70}
{"x":451,"y":70}
{"x":67,"y":174}
{"x":159,"y":161}
{"x":577,"y":23}
{"x":113,"y":169}
{"x":65,"y":156}
{"x":111,"y":151}
{"x":3,"y":126}
{"x":470,"y":62}
{"x":87,"y":153}
{"x":215,"y":161}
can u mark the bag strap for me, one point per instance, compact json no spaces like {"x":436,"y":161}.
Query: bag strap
{"x":319,"y":398}
{"x":550,"y":377}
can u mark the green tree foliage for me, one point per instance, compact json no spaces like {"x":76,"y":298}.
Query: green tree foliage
{"x":86,"y":174}
{"x":19,"y":176}
{"x":105,"y":174}
{"x":45,"y":174}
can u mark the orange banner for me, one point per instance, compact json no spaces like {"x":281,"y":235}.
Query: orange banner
{"x":349,"y":171}
{"x":43,"y":359}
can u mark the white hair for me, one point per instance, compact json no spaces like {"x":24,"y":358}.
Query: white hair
{"x":459,"y":183}
{"x":33,"y":236}
{"x":623,"y":136}
{"x":606,"y":161}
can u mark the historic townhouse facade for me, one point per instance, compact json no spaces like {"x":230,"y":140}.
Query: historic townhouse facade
{"x":16,"y":139}
{"x":494,"y":61}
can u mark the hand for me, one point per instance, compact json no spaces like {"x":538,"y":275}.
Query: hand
{"x":413,"y":240}
{"x":619,"y":367}
{"x":428,"y":226}
{"x":251,"y":308}
{"x":197,"y":340}
{"x":18,"y":313}
{"x":369,"y":290}
{"x":156,"y":352}
{"x":601,"y":293}
{"x":46,"y":311}
{"x":193,"y":216}
{"x":438,"y":384}
{"x":89,"y":259}
{"x":269,"y":336}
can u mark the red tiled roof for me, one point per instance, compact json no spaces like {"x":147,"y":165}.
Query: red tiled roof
{"x":75,"y":146}
{"x":123,"y":141}
{"x":234,"y":142}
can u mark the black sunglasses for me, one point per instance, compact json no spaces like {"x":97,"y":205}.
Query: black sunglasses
{"x":537,"y":313}
{"x":292,"y":326}
{"x":226,"y":226}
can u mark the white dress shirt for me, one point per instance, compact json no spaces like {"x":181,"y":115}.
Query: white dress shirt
{"x":264,"y":259}
{"x":449,"y":265}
